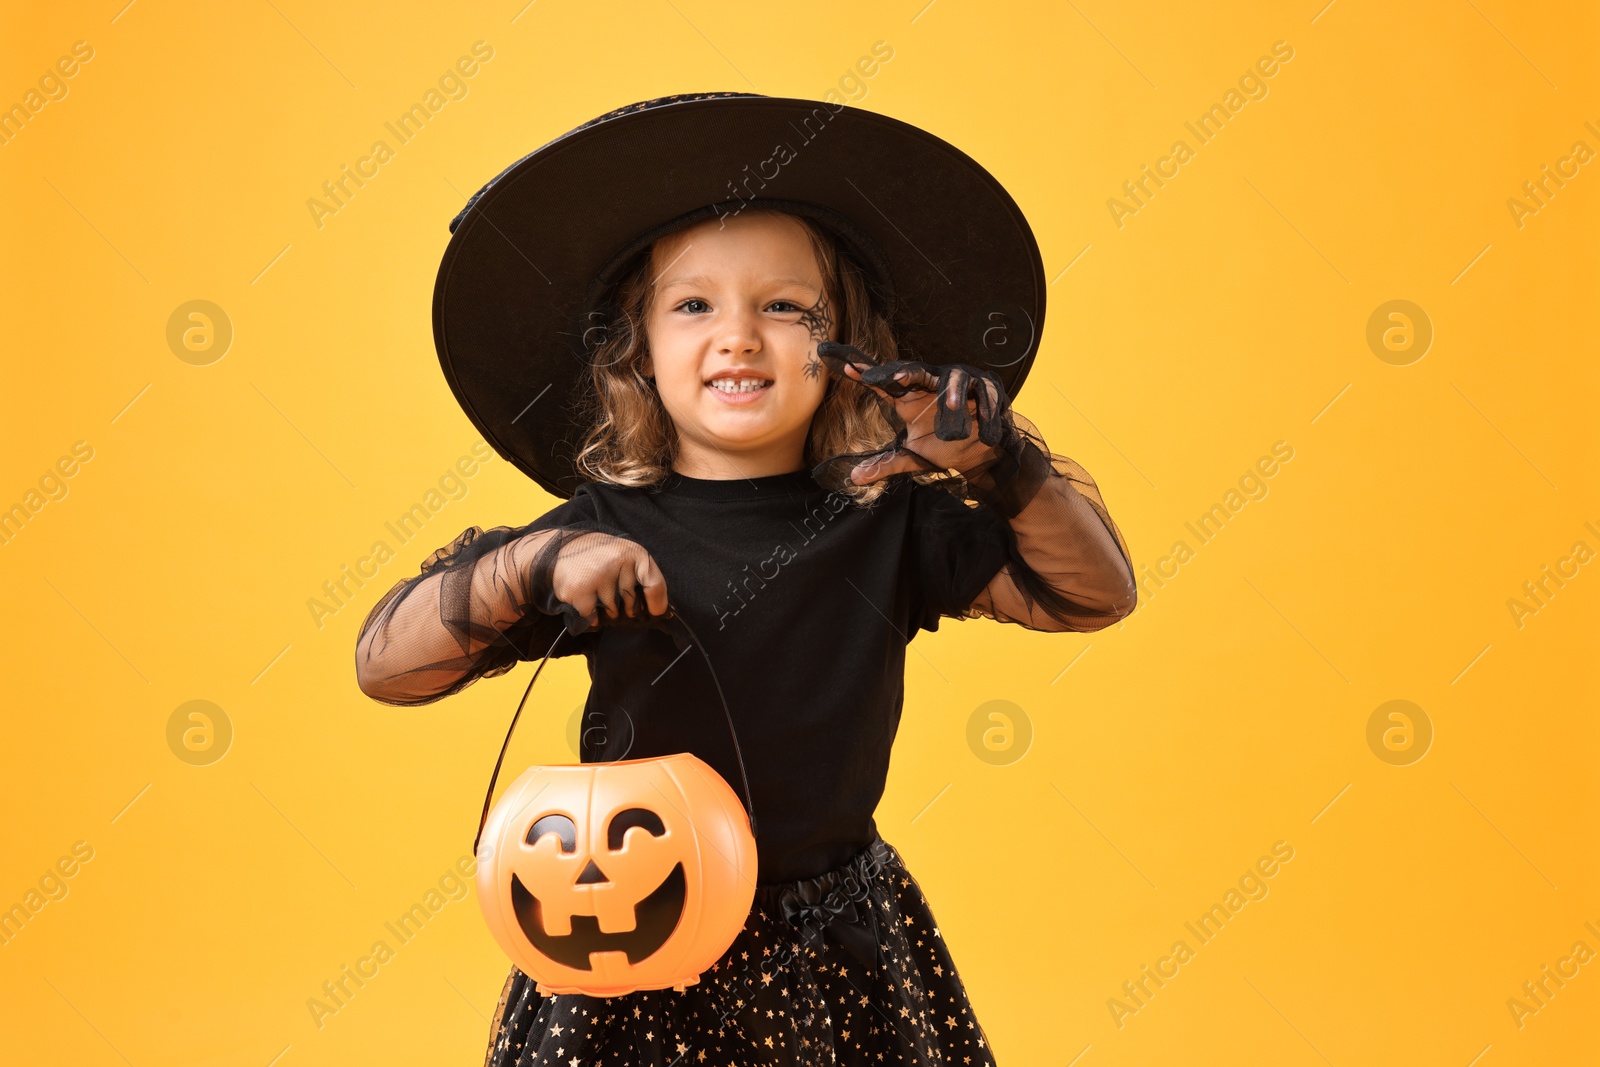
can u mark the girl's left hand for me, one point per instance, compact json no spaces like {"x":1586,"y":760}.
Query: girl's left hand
{"x":955,"y":414}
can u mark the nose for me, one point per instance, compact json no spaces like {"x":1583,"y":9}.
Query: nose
{"x":739,"y":334}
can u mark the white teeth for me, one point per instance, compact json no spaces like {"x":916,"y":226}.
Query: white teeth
{"x":744,"y":385}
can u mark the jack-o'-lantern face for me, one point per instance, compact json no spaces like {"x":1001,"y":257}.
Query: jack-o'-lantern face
{"x":603,"y":878}
{"x":575,"y":906}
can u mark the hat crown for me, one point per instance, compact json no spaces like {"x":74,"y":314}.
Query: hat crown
{"x":616,"y":112}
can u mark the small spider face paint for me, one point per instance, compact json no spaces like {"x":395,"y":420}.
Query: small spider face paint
{"x":818,"y":321}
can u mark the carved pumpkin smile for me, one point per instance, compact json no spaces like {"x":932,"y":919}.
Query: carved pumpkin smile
{"x":610,"y":877}
{"x":655,"y":916}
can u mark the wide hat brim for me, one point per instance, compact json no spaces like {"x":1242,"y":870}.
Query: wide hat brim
{"x":946,"y":247}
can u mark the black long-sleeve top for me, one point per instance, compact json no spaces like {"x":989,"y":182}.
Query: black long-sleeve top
{"x":804,"y":601}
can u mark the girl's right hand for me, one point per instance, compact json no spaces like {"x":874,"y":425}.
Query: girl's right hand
{"x":605,"y":579}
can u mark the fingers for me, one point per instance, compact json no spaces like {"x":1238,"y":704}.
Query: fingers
{"x":953,"y":423}
{"x":946,"y":388}
{"x":653,"y":585}
{"x":635,"y":589}
{"x":991,"y":412}
{"x":610,"y":580}
{"x":966,"y":393}
{"x":606,"y":596}
{"x":901,"y":376}
{"x":839,"y":357}
{"x":915,"y":376}
{"x":871,"y":470}
{"x":953,"y":386}
{"x":889,"y":380}
{"x":891,"y":461}
{"x":632,"y":599}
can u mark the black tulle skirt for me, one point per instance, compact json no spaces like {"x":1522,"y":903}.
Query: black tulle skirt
{"x":845,"y":968}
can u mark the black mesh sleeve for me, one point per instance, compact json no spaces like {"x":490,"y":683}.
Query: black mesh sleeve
{"x":479,"y":605}
{"x":1063,"y":563}
{"x":1068,"y":565}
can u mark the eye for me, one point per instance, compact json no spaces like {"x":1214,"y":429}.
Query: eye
{"x":627,"y":820}
{"x":692,"y":300}
{"x":560,"y":825}
{"x":785,"y":306}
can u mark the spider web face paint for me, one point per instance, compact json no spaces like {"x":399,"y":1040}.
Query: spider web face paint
{"x":818,"y":321}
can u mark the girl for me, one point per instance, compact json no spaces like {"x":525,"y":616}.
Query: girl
{"x":755,"y":452}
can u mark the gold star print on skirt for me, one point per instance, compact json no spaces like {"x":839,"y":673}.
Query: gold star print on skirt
{"x":845,"y":968}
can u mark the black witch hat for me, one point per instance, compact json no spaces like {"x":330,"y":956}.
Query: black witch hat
{"x":534,"y":254}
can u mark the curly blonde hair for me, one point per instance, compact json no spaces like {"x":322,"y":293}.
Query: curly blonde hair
{"x":632,"y":439}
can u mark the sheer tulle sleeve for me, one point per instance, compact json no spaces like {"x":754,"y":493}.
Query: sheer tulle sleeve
{"x":1067,"y":565}
{"x":479,"y":605}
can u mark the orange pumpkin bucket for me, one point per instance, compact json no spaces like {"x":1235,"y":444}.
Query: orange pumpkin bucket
{"x":606,"y":878}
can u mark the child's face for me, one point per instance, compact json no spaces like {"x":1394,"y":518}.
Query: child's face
{"x":741,"y":295}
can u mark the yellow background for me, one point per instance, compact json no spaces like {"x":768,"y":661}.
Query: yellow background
{"x":1228,"y":713}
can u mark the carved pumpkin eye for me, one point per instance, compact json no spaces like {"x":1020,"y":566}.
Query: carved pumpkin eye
{"x":628,"y":818}
{"x":621,"y":823}
{"x":559,"y":825}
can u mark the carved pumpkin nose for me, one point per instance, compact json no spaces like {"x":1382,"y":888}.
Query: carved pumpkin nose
{"x":591,"y":874}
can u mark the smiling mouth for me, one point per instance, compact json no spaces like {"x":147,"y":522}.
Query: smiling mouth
{"x":655,"y":919}
{"x":738,"y":387}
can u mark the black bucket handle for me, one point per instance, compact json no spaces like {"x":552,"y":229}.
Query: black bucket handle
{"x":653,"y":623}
